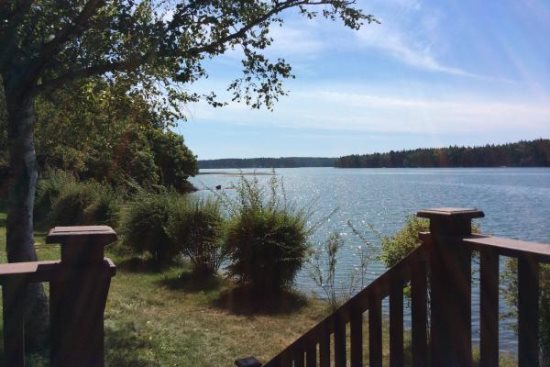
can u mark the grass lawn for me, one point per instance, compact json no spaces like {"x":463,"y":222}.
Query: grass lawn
{"x":169,"y":319}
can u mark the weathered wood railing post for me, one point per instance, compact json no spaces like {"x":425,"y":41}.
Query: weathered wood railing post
{"x":450,"y":266}
{"x":78,"y":295}
{"x":13,"y":295}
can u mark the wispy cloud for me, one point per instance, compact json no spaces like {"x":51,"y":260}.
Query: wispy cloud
{"x":409,"y":33}
{"x":373,"y":111}
{"x":296,"y":39}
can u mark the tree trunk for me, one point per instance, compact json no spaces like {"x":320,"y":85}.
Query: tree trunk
{"x":19,"y":227}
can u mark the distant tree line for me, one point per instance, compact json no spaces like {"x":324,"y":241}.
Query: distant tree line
{"x":288,"y":162}
{"x":535,"y":153}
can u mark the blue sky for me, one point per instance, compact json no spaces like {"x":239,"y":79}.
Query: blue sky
{"x":434,"y":73}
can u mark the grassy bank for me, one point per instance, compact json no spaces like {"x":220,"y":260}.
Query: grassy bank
{"x":168,"y":318}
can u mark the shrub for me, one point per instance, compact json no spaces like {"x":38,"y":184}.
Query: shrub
{"x":267,"y":238}
{"x":48,"y":190}
{"x":323,"y":266}
{"x":144,"y":222}
{"x":81,"y":203}
{"x":196,"y":226}
{"x":397,"y":247}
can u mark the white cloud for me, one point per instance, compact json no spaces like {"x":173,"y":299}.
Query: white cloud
{"x":292,"y":39}
{"x":410,"y":33}
{"x":372,"y":111}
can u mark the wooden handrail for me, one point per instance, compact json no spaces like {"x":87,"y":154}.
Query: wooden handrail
{"x":358,"y":304}
{"x":79,"y":284}
{"x":42,"y":271}
{"x":510,"y":248}
{"x":441,"y":266}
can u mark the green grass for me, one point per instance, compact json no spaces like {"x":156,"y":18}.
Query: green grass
{"x":168,"y":318}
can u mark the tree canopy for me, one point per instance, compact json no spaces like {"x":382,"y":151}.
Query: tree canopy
{"x":151,"y":48}
{"x":48,"y":43}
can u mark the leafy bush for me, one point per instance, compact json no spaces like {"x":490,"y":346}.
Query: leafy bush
{"x":196,"y":226}
{"x":397,"y":247}
{"x":81,"y":203}
{"x":144,"y":222}
{"x":48,"y":190}
{"x":267,"y":237}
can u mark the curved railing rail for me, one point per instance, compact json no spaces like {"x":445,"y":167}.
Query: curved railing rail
{"x":441,"y":323}
{"x":316,"y":348}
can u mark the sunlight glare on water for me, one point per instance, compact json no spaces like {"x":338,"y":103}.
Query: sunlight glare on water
{"x":516,"y":202}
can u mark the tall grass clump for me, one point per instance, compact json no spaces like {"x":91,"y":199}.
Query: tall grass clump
{"x":324,"y":267}
{"x":196,"y":227}
{"x":267,"y":238}
{"x":144,"y":225}
{"x":81,"y":203}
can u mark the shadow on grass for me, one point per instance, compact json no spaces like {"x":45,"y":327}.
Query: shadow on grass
{"x":140,"y":265}
{"x":244,"y":301}
{"x":192,"y":283}
{"x":126,"y":346}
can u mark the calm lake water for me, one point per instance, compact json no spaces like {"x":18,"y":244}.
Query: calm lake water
{"x":516,"y":202}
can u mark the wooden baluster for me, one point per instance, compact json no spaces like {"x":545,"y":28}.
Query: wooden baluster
{"x":375,"y":330}
{"x":324,"y":346}
{"x":489,"y":274}
{"x":339,"y":340}
{"x":13,"y":294}
{"x":356,"y":336}
{"x":311,"y":353}
{"x":528,"y":312}
{"x":396,"y":323}
{"x":286,"y":359}
{"x":298,"y":356}
{"x":419,"y":315}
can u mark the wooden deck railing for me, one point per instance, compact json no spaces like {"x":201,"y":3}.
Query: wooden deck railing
{"x":441,"y":326}
{"x":79,"y":285}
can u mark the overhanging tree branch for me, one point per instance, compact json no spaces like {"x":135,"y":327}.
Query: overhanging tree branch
{"x":8,"y":39}
{"x":71,"y":29}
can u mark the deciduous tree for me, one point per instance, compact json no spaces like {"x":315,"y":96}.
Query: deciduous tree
{"x":45,"y":44}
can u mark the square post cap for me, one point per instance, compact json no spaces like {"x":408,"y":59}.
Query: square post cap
{"x":101,"y":235}
{"x":82,"y":244}
{"x":450,"y":221}
{"x":450,"y":213}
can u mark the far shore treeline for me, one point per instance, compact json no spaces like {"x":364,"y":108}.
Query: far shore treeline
{"x":535,"y":153}
{"x":288,"y":162}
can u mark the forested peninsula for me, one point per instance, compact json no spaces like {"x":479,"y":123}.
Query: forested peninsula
{"x":534,"y":153}
{"x":288,"y":162}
